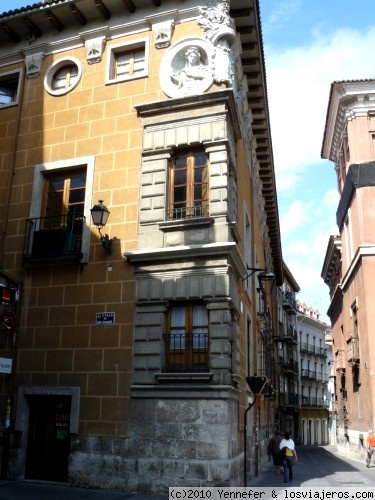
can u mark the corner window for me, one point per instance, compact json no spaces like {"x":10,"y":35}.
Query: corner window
{"x":186,"y":340}
{"x":63,"y":76}
{"x":9,"y":88}
{"x":127,"y":62}
{"x":188,"y":186}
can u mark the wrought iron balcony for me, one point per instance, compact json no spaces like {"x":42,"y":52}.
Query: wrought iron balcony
{"x":314,"y":402}
{"x":182,"y":213}
{"x":288,"y":334}
{"x":51,"y":241}
{"x":291,"y":367}
{"x":288,"y":399}
{"x":289,"y":303}
{"x":186,"y":352}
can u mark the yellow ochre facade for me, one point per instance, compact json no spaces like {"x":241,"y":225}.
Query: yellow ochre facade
{"x":126,"y":346}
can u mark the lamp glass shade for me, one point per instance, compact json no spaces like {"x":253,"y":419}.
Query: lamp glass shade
{"x":266,"y":277}
{"x":100,"y":214}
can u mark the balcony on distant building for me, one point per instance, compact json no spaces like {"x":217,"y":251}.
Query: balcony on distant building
{"x":290,"y":334}
{"x":289,"y":303}
{"x":353,"y":350}
{"x":339,"y":362}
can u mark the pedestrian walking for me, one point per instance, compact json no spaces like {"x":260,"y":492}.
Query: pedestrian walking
{"x":370,"y":447}
{"x":273,"y":451}
{"x":289,"y":454}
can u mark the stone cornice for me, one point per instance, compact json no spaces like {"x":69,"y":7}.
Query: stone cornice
{"x":189,"y":251}
{"x":348,"y":100}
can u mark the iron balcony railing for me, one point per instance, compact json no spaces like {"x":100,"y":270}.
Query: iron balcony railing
{"x":290,"y":366}
{"x":314,"y":402}
{"x":290,"y":334}
{"x":181,"y":213}
{"x":289,"y":399}
{"x":308,"y":374}
{"x":186,"y":352}
{"x":312,"y":349}
{"x":289,"y":302}
{"x":53,"y":239}
{"x":313,"y":375}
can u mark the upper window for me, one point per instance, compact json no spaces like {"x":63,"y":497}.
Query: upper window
{"x":186,"y":339}
{"x":58,"y":233}
{"x":188,"y":186}
{"x":9,"y":88}
{"x":63,"y":76}
{"x":60,"y":209}
{"x":65,"y":193}
{"x":64,"y":198}
{"x":127,"y":62}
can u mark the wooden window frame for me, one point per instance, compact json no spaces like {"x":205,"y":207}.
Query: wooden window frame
{"x":64,"y":212}
{"x":131,"y":65}
{"x":116,"y":51}
{"x":188,"y":209}
{"x":187,"y":351}
{"x":70,"y":78}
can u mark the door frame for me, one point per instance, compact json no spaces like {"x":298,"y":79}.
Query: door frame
{"x":23,"y":413}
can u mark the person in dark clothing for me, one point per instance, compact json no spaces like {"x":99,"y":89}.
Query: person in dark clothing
{"x":273,"y":450}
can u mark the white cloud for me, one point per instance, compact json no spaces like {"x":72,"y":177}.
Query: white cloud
{"x":299,"y":81}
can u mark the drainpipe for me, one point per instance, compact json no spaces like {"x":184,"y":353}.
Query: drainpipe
{"x":245,"y":442}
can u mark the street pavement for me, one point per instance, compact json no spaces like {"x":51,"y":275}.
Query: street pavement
{"x":317,"y":466}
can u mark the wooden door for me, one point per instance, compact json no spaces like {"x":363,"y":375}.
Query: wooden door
{"x":48,"y":443}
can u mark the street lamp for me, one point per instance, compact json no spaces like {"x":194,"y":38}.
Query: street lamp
{"x":264,"y":277}
{"x":100,"y":214}
{"x":256,"y":385}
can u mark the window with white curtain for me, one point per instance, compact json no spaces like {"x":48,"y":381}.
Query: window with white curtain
{"x":187,"y":337}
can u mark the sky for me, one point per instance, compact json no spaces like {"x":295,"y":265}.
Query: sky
{"x":308,"y":44}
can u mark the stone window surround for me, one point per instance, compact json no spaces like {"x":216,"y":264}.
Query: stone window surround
{"x":174,"y":125}
{"x":54,"y":68}
{"x":9,"y":74}
{"x":120,"y":47}
{"x":36,"y":199}
{"x":165,"y":275}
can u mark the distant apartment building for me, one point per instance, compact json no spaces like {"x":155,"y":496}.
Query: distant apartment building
{"x":314,"y":376}
{"x":349,"y":264}
{"x":140,"y":252}
{"x":286,"y":341}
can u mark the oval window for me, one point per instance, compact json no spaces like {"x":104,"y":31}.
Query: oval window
{"x":63,"y":76}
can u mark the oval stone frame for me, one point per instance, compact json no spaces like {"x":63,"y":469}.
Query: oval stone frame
{"x":174,"y":60}
{"x":56,"y":66}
